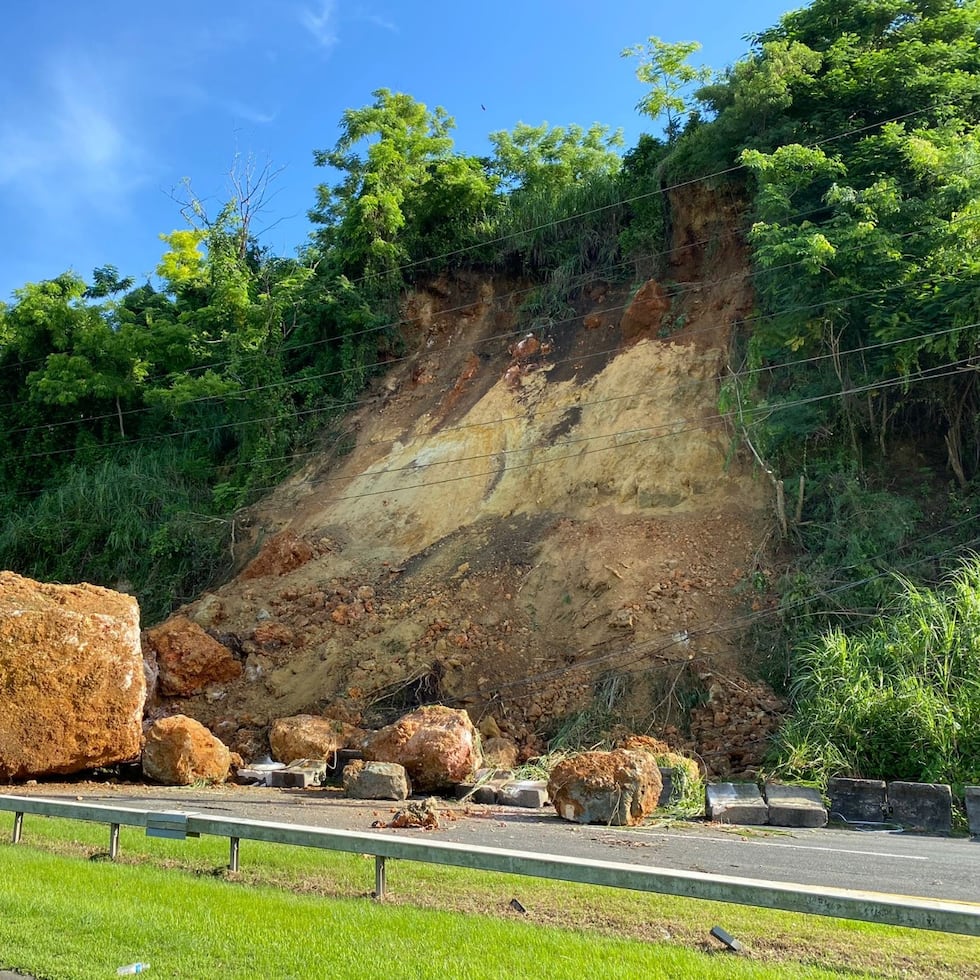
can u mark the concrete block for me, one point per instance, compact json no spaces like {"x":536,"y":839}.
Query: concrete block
{"x":376,"y":781}
{"x":972,"y":794}
{"x":252,"y":777}
{"x":493,"y":775}
{"x":339,"y":761}
{"x":300,"y":774}
{"x":667,"y":786}
{"x":857,"y":800}
{"x":477,"y":793}
{"x":795,"y":806}
{"x":529,"y":793}
{"x":740,"y":803}
{"x":258,"y":773}
{"x":923,"y":807}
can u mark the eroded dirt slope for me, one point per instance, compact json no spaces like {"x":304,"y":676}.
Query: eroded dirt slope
{"x":525,"y":525}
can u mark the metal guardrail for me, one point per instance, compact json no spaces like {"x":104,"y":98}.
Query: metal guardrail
{"x":897,"y":910}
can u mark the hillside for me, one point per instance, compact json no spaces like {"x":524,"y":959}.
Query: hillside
{"x":529,"y":533}
{"x":574,"y":435}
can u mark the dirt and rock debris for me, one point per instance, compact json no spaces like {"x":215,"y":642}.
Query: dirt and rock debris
{"x":531,"y":525}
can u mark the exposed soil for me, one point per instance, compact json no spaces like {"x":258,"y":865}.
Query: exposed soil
{"x":528,"y":525}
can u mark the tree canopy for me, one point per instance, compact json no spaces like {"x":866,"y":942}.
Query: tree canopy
{"x":848,"y":137}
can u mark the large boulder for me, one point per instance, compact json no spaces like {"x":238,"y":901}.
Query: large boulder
{"x":620,"y":788}
{"x":438,"y":746}
{"x":309,"y":737}
{"x":188,"y":659}
{"x":71,"y":677}
{"x":180,"y":751}
{"x":376,"y":781}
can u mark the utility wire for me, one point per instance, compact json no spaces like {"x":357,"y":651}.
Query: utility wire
{"x":695,"y":286}
{"x":660,"y":191}
{"x":767,"y":369}
{"x":578,"y":215}
{"x":653,"y":649}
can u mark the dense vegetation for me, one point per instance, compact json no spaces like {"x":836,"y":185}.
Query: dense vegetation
{"x":138,"y":418}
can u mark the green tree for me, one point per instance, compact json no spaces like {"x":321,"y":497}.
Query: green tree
{"x":392,"y":155}
{"x":537,"y":158}
{"x":665,"y":69}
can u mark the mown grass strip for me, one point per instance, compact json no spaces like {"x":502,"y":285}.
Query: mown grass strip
{"x":71,"y":919}
{"x":779,"y":943}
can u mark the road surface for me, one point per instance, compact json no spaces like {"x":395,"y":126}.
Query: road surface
{"x":883,"y":860}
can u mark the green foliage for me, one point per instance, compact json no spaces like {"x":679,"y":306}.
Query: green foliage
{"x":141,"y":521}
{"x":687,"y":792}
{"x":398,"y":174}
{"x":536,"y":158}
{"x":898,"y":700}
{"x":644,"y":235}
{"x":664,"y":68}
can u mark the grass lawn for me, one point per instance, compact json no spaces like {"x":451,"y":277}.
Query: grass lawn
{"x":67,"y":913}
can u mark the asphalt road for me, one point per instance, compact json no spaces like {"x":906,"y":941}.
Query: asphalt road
{"x":870,"y":860}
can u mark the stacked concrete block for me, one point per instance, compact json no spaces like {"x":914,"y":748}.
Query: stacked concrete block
{"x":923,"y":807}
{"x":858,"y":800}
{"x":529,"y":793}
{"x":477,"y":792}
{"x":795,"y":806}
{"x":338,"y":762}
{"x":740,"y":803}
{"x":497,"y":787}
{"x":300,"y":775}
{"x":972,"y":794}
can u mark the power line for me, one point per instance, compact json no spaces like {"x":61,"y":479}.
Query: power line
{"x":578,"y":215}
{"x":766,"y":369}
{"x":648,"y":194}
{"x":653,"y":649}
{"x":682,"y":289}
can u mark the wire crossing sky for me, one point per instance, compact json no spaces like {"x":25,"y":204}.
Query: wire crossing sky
{"x":108,"y":106}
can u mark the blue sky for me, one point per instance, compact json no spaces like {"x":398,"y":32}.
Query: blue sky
{"x":108,"y":105}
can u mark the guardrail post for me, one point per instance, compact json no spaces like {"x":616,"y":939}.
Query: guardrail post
{"x":900,"y":910}
{"x":113,"y":841}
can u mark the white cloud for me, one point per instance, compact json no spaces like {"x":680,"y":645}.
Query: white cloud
{"x":66,"y":146}
{"x":319,"y":21}
{"x":379,"y":21}
{"x":197,"y":96}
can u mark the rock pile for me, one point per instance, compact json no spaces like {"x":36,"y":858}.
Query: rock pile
{"x":732,"y":730}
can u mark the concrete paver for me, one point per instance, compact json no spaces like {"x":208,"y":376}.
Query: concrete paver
{"x":795,"y":806}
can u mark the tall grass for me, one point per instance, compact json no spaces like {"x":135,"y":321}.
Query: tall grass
{"x":541,"y":234}
{"x":145,"y":522}
{"x":898,"y":700}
